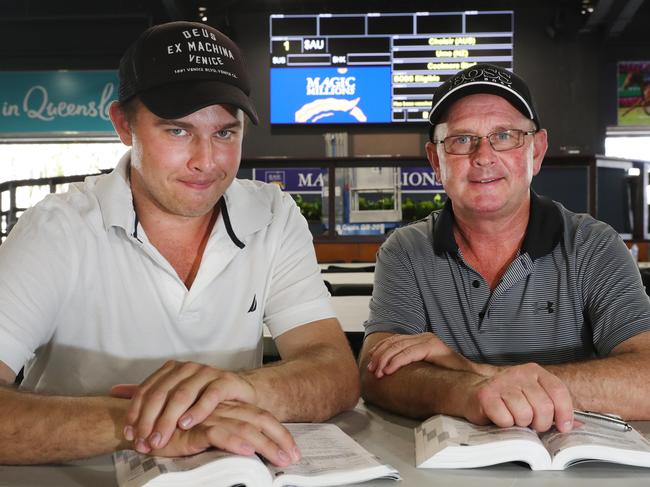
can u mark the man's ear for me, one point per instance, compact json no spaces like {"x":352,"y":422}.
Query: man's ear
{"x":434,"y":160}
{"x":120,"y":123}
{"x":540,"y":145}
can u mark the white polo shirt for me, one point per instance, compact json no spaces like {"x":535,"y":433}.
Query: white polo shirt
{"x":87,"y":302}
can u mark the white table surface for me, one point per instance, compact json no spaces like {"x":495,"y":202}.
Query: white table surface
{"x":391,"y":439}
{"x":351,"y":311}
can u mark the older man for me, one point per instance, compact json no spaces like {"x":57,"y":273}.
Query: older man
{"x":504,"y":306}
{"x":161,"y":274}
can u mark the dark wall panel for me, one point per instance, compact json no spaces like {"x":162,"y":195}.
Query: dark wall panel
{"x":572,"y":74}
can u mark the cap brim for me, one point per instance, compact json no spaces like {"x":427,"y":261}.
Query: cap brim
{"x":177,"y":100}
{"x":478,"y":88}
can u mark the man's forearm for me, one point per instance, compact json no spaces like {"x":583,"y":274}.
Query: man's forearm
{"x":313,"y":386}
{"x":617,"y":384}
{"x":36,"y":428}
{"x":417,"y":376}
{"x":419,"y":390}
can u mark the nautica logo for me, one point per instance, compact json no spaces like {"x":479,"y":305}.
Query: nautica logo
{"x":253,"y":304}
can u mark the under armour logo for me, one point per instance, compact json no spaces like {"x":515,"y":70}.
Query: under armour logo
{"x":253,"y":304}
{"x":547,"y":306}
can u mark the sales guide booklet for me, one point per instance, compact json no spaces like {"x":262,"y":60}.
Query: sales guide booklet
{"x":448,"y":442}
{"x":329,"y":457}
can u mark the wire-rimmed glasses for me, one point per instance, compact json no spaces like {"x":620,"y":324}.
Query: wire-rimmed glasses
{"x":502,"y":140}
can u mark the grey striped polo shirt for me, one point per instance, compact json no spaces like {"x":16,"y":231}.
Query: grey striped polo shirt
{"x":572,"y":293}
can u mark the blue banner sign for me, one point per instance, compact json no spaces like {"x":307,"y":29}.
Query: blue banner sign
{"x":293,"y":180}
{"x":331,"y":95}
{"x":56,"y":102}
{"x":419,"y":180}
{"x":362,"y":228}
{"x":310,"y":180}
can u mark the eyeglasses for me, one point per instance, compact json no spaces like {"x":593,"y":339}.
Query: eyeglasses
{"x":500,"y":141}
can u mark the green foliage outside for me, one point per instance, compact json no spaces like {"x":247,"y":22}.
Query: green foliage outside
{"x":411,"y":210}
{"x":416,"y":210}
{"x":311,"y":210}
{"x":385,"y":203}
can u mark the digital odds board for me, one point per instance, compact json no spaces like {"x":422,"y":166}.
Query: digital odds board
{"x":376,"y":67}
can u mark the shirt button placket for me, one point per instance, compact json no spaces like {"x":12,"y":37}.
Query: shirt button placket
{"x":476,"y":284}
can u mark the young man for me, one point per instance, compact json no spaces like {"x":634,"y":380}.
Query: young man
{"x":504,"y":306}
{"x":161,"y":274}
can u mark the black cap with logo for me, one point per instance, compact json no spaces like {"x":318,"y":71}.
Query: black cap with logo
{"x":178,"y":68}
{"x":482,"y":78}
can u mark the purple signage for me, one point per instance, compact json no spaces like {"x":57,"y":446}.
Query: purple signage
{"x":417,"y":179}
{"x":293,"y":180}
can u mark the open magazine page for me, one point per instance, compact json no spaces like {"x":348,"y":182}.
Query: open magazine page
{"x":329,"y":457}
{"x":134,"y":469}
{"x":596,"y":442}
{"x":441,"y":431}
{"x":448,"y":442}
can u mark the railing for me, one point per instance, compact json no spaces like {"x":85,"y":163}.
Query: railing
{"x":10,"y":212}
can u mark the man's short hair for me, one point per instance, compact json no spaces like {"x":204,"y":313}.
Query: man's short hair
{"x":130,"y":108}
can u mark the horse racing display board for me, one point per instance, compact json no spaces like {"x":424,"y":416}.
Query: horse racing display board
{"x":376,"y":67}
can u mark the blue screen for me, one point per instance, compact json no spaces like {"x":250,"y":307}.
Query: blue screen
{"x":331,"y":95}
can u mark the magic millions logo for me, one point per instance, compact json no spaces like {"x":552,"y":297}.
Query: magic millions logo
{"x":332,"y":85}
{"x":330,"y":91}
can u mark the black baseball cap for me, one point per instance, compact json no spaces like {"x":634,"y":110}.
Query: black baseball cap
{"x":482,"y":78}
{"x":178,"y":68}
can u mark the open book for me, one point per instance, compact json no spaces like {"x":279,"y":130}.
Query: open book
{"x":329,"y":457}
{"x":448,"y":442}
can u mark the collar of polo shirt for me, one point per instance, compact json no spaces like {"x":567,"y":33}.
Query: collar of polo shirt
{"x":242,"y":211}
{"x":543,"y":232}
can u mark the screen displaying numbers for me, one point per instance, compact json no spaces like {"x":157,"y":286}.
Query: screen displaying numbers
{"x":376,"y":67}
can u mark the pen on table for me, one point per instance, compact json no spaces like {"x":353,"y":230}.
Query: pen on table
{"x":606,"y":420}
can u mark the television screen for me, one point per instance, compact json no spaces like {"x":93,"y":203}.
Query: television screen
{"x":376,"y":67}
{"x":568,"y":185}
{"x":634,"y":93}
{"x":615,"y":205}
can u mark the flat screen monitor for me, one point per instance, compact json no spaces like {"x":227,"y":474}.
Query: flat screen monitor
{"x":568,"y":185}
{"x":376,"y":67}
{"x":615,"y":199}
